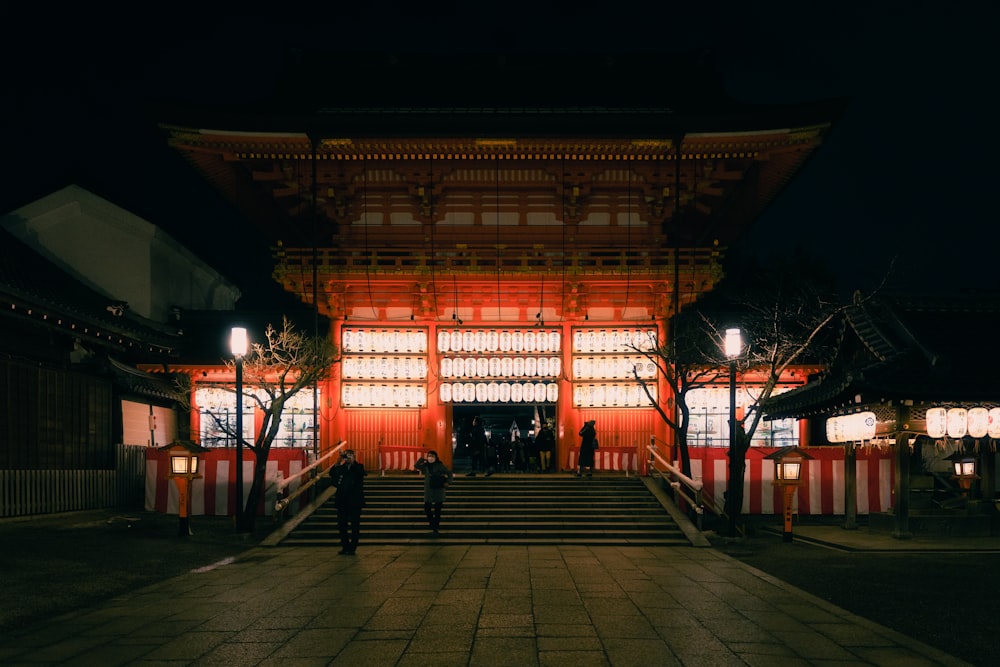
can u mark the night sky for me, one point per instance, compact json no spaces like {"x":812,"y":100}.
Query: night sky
{"x":907,"y":178}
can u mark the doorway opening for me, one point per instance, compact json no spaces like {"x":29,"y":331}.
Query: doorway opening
{"x":510,"y":431}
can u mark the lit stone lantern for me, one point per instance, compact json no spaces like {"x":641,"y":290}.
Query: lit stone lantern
{"x":965,"y":470}
{"x":788,"y":475}
{"x":184,"y":468}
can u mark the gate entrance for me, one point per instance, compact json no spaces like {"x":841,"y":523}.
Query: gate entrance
{"x":510,"y":430}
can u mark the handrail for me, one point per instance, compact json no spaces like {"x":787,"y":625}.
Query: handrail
{"x":687,"y":488}
{"x":282,"y":484}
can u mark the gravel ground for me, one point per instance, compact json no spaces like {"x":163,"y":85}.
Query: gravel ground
{"x":57,"y":564}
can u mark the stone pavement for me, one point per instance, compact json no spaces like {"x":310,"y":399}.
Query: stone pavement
{"x":469,"y":605}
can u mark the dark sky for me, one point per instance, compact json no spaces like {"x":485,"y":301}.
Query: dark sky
{"x":907,"y":176}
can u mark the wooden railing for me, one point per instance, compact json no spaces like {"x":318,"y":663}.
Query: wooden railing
{"x":687,"y":489}
{"x":505,"y":258}
{"x":312,"y":474}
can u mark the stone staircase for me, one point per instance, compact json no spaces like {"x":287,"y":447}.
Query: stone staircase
{"x":505,"y":509}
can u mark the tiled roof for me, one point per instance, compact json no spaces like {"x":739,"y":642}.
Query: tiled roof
{"x":34,"y":289}
{"x":906,"y":348}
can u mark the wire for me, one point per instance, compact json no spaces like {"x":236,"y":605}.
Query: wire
{"x":497,"y":172}
{"x":368,"y":261}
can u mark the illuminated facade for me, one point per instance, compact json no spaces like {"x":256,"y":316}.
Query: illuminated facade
{"x":479,"y":256}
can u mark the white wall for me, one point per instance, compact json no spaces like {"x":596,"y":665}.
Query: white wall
{"x":119,"y":254}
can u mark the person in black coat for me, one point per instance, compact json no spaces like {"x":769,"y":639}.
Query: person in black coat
{"x":477,"y":448}
{"x":546,"y":444}
{"x":348,"y":477}
{"x":588,"y":444}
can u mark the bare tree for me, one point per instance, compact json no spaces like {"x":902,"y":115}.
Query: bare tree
{"x":685,"y":362}
{"x":275,"y":369}
{"x":785,"y":312}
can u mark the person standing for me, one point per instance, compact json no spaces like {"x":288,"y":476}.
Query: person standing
{"x":588,"y":444}
{"x":437,"y":477}
{"x":545,"y":441}
{"x":477,"y":447}
{"x":348,"y":477}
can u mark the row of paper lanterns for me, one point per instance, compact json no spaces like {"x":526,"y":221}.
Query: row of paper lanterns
{"x":977,"y":422}
{"x":383,"y":340}
{"x":494,"y":340}
{"x":958,"y":422}
{"x":499,"y":392}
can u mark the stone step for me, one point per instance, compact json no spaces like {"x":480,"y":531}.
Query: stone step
{"x":505,"y":509}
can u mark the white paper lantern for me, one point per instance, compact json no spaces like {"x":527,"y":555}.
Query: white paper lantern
{"x":978,"y":420}
{"x":993,"y":429}
{"x":958,"y":424}
{"x":552,"y":392}
{"x":937,"y":422}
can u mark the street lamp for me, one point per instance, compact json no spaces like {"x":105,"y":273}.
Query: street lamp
{"x":238,"y":345}
{"x":733,"y":348}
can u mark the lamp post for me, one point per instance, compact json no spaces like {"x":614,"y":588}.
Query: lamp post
{"x":733,"y":347}
{"x":238,"y":346}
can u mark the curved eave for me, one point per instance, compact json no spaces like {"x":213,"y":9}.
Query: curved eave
{"x":501,"y":122}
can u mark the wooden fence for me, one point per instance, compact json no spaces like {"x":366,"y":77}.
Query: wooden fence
{"x":33,"y":492}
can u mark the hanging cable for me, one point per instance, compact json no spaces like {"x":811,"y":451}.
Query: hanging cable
{"x":628,"y":237}
{"x":497,"y":172}
{"x":368,"y":261}
{"x":562,"y":289}
{"x":433,"y":257}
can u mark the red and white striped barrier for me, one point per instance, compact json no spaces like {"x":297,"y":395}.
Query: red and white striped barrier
{"x":399,"y":458}
{"x":213,"y":493}
{"x":822,"y":489}
{"x":608,"y":458}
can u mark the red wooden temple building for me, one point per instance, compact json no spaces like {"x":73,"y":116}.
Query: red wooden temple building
{"x":494,"y":237}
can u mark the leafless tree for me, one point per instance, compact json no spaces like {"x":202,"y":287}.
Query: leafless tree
{"x":785,"y":313}
{"x":284,"y":363}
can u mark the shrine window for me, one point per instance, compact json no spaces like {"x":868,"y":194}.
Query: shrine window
{"x":709,"y":423}
{"x":217,"y":417}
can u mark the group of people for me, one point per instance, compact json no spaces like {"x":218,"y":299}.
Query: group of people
{"x":348,"y":477}
{"x":519,"y":454}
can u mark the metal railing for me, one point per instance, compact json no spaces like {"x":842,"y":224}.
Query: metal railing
{"x":683,"y":486}
{"x":281,"y":484}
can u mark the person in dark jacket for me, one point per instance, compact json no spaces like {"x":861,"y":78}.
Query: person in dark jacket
{"x":588,"y":444}
{"x":546,"y":444}
{"x":348,"y":476}
{"x":437,"y":477}
{"x":477,"y":448}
